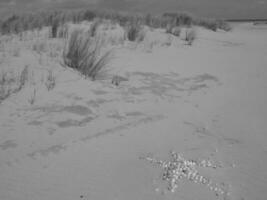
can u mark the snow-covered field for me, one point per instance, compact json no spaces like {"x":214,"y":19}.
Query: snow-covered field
{"x":83,"y":139}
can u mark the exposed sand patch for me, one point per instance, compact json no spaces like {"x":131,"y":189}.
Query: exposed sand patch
{"x":83,"y":138}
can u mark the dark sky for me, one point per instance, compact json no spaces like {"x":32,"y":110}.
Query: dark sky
{"x":206,"y":8}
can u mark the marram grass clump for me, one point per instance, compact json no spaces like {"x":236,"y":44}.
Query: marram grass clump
{"x":135,"y":32}
{"x":84,"y":53}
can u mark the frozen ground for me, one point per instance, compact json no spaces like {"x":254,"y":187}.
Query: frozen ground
{"x":84,"y":139}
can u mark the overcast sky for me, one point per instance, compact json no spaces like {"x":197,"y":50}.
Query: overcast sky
{"x":207,"y":8}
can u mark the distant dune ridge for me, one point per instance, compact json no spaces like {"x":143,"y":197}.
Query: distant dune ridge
{"x":18,"y":23}
{"x":206,"y":8}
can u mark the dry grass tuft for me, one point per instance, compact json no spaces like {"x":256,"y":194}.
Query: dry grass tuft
{"x":190,"y":36}
{"x":24,"y":76}
{"x":50,"y":81}
{"x":54,"y":29}
{"x":4,"y":88}
{"x":134,"y":32}
{"x":83,"y":53}
{"x":63,"y":31}
{"x":10,"y":84}
{"x":32,"y":98}
{"x":94,"y":27}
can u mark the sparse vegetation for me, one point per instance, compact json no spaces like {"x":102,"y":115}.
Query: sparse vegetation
{"x":94,"y":26}
{"x":134,"y":32}
{"x":179,"y":19}
{"x":54,"y":29}
{"x":208,"y":23}
{"x":83,"y":53}
{"x":9,"y":84}
{"x":32,"y":98}
{"x":190,"y":36}
{"x":185,"y":19}
{"x":63,"y":31}
{"x":222,"y":24}
{"x":4,"y":88}
{"x":54,"y":19}
{"x":50,"y":81}
{"x":148,"y":20}
{"x":23,"y":77}
{"x":89,"y":15}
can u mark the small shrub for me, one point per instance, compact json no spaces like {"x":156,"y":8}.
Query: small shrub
{"x":83,"y":54}
{"x":179,"y":19}
{"x":190,"y":36}
{"x":54,"y":29}
{"x":185,"y":19}
{"x":133,"y":32}
{"x":89,"y":15}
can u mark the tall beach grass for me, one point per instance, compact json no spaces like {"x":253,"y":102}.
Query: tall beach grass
{"x":85,"y":54}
